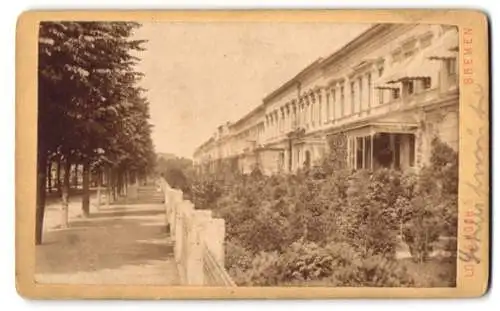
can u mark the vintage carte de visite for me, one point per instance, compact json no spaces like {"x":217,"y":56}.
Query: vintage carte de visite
{"x":252,"y":154}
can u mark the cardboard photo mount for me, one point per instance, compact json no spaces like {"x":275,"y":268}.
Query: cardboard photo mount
{"x":474,"y":149}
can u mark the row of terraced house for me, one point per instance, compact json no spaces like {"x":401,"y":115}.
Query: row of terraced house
{"x":388,"y":92}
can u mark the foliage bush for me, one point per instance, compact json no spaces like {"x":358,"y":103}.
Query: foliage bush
{"x":434,"y":205}
{"x":331,"y":226}
{"x":335,"y":264}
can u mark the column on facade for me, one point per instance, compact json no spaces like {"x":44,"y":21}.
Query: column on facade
{"x":271,"y":125}
{"x":361,"y":92}
{"x":299,"y":112}
{"x":287,"y":117}
{"x":266,"y":126}
{"x":320,"y":106}
{"x":276,"y":125}
{"x":283,"y":114}
{"x":335,"y":95}
{"x":312,"y":104}
{"x":347,"y":97}
{"x":271,"y":128}
{"x":309,"y":107}
{"x":278,"y":121}
{"x":282,"y":119}
{"x":327,"y":104}
{"x":294,"y":115}
{"x":369,"y":89}
{"x":302,"y":112}
{"x":332,"y":92}
{"x":270,"y":131}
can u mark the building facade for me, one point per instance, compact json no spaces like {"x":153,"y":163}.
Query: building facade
{"x":384,"y":96}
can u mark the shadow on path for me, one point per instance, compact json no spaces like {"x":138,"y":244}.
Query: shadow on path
{"x":128,"y":244}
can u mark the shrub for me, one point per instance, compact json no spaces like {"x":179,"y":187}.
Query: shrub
{"x":265,"y":270}
{"x":380,"y":271}
{"x":434,"y":207}
{"x":305,"y":261}
{"x":205,"y":193}
{"x":331,"y":226}
{"x":369,"y":211}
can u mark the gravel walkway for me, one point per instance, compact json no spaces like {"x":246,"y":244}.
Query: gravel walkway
{"x":120,"y":244}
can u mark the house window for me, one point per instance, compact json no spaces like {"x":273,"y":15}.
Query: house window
{"x":369,"y":77}
{"x":380,"y":96}
{"x":412,"y":150}
{"x":281,"y":161}
{"x":368,"y":152}
{"x":409,"y":86}
{"x":451,"y":70}
{"x":352,"y":98}
{"x":319,"y":110}
{"x":328,"y":105}
{"x":342,"y":100}
{"x":359,"y":153}
{"x":351,"y":152}
{"x":451,"y":65}
{"x":426,"y":83}
{"x":312,"y":113}
{"x":380,"y":71}
{"x":360,"y":83}
{"x":396,"y":93}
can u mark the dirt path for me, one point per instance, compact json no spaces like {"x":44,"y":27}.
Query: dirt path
{"x":120,"y":244}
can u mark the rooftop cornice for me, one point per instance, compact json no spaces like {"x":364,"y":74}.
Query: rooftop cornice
{"x":294,"y":80}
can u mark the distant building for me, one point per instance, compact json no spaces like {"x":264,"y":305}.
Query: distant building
{"x":383,"y":96}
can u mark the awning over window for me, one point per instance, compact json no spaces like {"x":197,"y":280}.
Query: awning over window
{"x":445,"y":48}
{"x":386,"y":87}
{"x":375,"y":128}
{"x":405,"y":123}
{"x":418,"y":66}
{"x":415,"y":67}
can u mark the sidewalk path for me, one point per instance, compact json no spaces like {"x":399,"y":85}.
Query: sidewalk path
{"x":119,"y":244}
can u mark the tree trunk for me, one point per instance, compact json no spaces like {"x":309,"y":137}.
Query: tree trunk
{"x":49,"y":176}
{"x":125,"y":188}
{"x":65,"y":193}
{"x":108,"y":186}
{"x":120,"y":183}
{"x":75,"y":177}
{"x":40,"y":204}
{"x":58,"y":175}
{"x":113,"y":184}
{"x":99,"y":182}
{"x":86,"y":188}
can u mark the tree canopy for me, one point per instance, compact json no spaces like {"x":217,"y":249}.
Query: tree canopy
{"x":91,"y":109}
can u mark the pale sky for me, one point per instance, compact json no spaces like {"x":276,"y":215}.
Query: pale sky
{"x":201,"y":75}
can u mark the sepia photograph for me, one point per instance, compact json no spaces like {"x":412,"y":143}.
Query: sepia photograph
{"x":240,"y":154}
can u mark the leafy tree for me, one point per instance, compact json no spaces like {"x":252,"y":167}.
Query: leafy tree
{"x":91,"y":111}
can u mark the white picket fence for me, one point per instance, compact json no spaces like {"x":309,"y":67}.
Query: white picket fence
{"x":198,"y":241}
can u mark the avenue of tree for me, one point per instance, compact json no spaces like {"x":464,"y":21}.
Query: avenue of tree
{"x":91,"y":111}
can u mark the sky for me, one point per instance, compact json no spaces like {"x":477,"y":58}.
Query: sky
{"x":201,"y":75}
